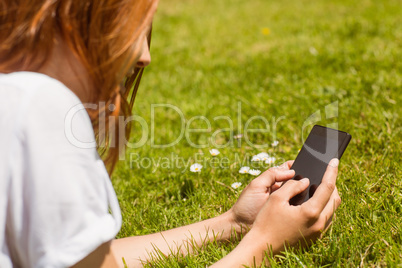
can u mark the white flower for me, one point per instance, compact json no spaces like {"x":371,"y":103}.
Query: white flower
{"x":244,"y":170}
{"x":263,"y":156}
{"x":238,"y":136}
{"x":214,"y":152}
{"x":270,"y":160}
{"x":260,"y":157}
{"x":275,"y":143}
{"x":236,"y":185}
{"x":313,"y":51}
{"x":255,"y":158}
{"x":195,"y":167}
{"x":254,"y":172}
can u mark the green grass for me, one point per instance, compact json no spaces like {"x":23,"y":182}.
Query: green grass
{"x":209,"y":56}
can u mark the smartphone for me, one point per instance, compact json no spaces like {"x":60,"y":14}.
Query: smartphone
{"x":321,"y":145}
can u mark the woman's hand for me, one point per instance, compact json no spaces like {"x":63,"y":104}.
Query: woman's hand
{"x":281,"y":223}
{"x":256,"y":194}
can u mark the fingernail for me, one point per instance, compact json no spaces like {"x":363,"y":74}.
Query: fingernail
{"x":289,"y":172}
{"x":305,"y":180}
{"x":334,"y":162}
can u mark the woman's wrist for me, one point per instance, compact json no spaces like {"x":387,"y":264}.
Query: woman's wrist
{"x":256,"y":245}
{"x":222,"y":227}
{"x":264,"y":241}
{"x":251,"y":250}
{"x":236,"y":225}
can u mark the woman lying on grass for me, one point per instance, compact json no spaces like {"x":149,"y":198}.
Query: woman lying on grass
{"x":57,"y":204}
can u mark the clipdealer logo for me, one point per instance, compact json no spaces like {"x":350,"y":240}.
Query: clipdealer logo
{"x":149,"y":133}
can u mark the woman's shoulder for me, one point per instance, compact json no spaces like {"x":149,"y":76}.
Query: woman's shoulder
{"x":30,"y":101}
{"x":53,"y":176}
{"x":26,"y":85}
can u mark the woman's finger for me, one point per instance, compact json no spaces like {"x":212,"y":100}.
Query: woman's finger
{"x":276,"y":186}
{"x":331,"y":206}
{"x":324,"y":191}
{"x":271,"y":176}
{"x":292,"y":188}
{"x":286,"y":165}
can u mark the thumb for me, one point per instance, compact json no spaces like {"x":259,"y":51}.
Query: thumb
{"x":272,"y":175}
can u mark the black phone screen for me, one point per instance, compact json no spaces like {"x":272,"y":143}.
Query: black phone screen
{"x":321,"y":145}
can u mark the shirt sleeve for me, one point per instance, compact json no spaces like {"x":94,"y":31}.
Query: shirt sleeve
{"x":67,"y":204}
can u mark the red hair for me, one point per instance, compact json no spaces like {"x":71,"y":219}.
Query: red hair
{"x":105,"y":35}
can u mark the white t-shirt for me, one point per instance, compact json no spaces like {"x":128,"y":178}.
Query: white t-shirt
{"x":57,"y":203}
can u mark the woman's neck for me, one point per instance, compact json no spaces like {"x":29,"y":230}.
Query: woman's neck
{"x":63,"y":65}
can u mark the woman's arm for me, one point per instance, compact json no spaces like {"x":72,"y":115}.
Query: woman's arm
{"x":101,"y":257}
{"x":141,"y":248}
{"x":239,"y":219}
{"x":277,"y":223}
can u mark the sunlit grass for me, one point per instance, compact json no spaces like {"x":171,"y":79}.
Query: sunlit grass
{"x":282,"y":60}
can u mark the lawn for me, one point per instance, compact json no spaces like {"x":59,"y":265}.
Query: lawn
{"x":224,"y":67}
